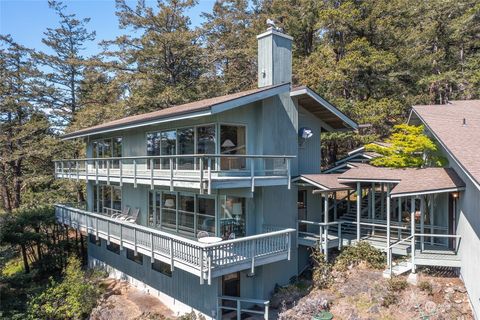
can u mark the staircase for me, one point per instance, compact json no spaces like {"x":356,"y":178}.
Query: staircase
{"x":398,"y":269}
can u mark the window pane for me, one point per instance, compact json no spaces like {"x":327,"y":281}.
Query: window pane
{"x":169,"y":206}
{"x":186,"y":146}
{"x":232,"y":217}
{"x":186,"y":213}
{"x":153,"y":147}
{"x":116,"y":151}
{"x":168,"y":146}
{"x":206,"y":141}
{"x":116,"y":198}
{"x":151,"y":208}
{"x":232,"y":141}
{"x":206,"y":215}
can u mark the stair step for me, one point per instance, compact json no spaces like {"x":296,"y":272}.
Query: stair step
{"x":398,"y":269}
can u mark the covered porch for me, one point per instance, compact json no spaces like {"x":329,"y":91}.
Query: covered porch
{"x":399,"y":211}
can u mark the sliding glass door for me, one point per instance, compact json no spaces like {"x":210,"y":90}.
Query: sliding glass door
{"x":182,"y":212}
{"x":107,"y":198}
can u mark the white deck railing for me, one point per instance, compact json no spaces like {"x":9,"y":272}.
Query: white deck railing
{"x":199,"y":168}
{"x":203,"y":260}
{"x":242,"y":306}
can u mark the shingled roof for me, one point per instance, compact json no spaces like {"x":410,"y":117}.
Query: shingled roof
{"x":456,"y":126}
{"x":408,"y":180}
{"x":166,"y":113}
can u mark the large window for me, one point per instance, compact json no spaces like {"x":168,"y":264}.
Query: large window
{"x":107,"y":198}
{"x":189,"y":215}
{"x":232,"y":141}
{"x":138,"y":258}
{"x":186,"y":145}
{"x":169,"y":210}
{"x":183,"y":141}
{"x":107,"y":148}
{"x":232,"y":217}
{"x":162,"y":267}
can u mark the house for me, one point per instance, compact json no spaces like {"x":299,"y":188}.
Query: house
{"x":195,"y":203}
{"x":212,"y":204}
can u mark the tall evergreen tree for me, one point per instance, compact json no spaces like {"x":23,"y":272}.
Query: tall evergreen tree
{"x":65,"y":63}
{"x":161,"y":62}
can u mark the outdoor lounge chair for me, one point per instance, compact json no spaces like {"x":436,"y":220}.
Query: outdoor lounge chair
{"x":125,"y":212}
{"x":202,"y":234}
{"x":133,"y":218}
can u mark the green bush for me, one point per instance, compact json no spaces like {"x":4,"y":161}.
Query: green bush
{"x":322,"y":270}
{"x":397,"y":284}
{"x":426,"y":286}
{"x":389,"y":299}
{"x":361,"y":252}
{"x":72,"y":298}
{"x":191,"y":316}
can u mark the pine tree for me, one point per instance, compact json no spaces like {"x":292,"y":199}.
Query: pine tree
{"x":161,"y":64}
{"x":64,"y":66}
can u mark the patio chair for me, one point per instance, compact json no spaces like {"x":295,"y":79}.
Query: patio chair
{"x":125,"y":212}
{"x":202,"y":234}
{"x":133,"y":218}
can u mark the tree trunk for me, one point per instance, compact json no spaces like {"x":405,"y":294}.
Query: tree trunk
{"x":26,"y":266}
{"x":82,"y":248}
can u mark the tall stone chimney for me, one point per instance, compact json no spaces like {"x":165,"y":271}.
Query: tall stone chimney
{"x":274,"y":58}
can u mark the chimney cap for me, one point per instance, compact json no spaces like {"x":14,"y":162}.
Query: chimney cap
{"x":272,"y":31}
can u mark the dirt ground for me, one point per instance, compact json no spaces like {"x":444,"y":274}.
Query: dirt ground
{"x":122,"y":301}
{"x":361,"y":294}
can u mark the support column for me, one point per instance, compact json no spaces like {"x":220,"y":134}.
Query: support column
{"x":422,"y":225}
{"x":388,"y":222}
{"x":432,"y":219}
{"x":412,"y":228}
{"x":382,"y":201}
{"x":399,"y":217}
{"x":359,"y":208}
{"x":373,"y":207}
{"x":335,"y":206}
{"x":325,"y":219}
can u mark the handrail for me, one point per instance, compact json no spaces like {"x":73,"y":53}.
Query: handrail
{"x":202,"y":155}
{"x":238,"y":307}
{"x":375,"y":225}
{"x":151,"y":169}
{"x":321,"y":223}
{"x":390,"y":251}
{"x":193,"y":256}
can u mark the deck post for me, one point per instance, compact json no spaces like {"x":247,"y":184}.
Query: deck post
{"x":209,"y":174}
{"x":201,"y":176}
{"x":151,"y":174}
{"x":422,"y":224}
{"x":152,"y":253}
{"x":432,"y":216}
{"x":412,"y":227}
{"x":171,"y":173}
{"x":108,"y":172}
{"x":78,"y":171}
{"x":120,"y":168}
{"x":373,"y":206}
{"x":399,"y":204}
{"x":326,"y":224}
{"x":252,"y":175}
{"x":335,"y":206}
{"x":134,"y":173}
{"x":289,"y":176}
{"x":359,"y":208}
{"x":382,"y":201}
{"x":388,"y":223}
{"x":96,"y":171}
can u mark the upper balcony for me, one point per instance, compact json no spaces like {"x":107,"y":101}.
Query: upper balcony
{"x":200,"y":171}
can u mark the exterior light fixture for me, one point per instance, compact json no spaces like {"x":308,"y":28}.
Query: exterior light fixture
{"x":455,"y":194}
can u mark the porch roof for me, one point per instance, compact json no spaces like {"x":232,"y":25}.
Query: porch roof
{"x":409,"y":181}
{"x":325,"y":182}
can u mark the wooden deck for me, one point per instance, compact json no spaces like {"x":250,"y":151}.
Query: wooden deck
{"x":206,"y":261}
{"x":204,"y":173}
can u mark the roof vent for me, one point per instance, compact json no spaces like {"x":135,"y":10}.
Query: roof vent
{"x":464,"y":122}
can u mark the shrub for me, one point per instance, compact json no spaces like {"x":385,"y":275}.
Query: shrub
{"x":322,"y":270}
{"x":361,"y":252}
{"x":72,"y":298}
{"x":191,"y":316}
{"x":397,"y":284}
{"x":389,"y":299}
{"x":426,"y":286}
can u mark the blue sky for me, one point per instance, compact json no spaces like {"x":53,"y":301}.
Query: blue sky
{"x":26,"y":20}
